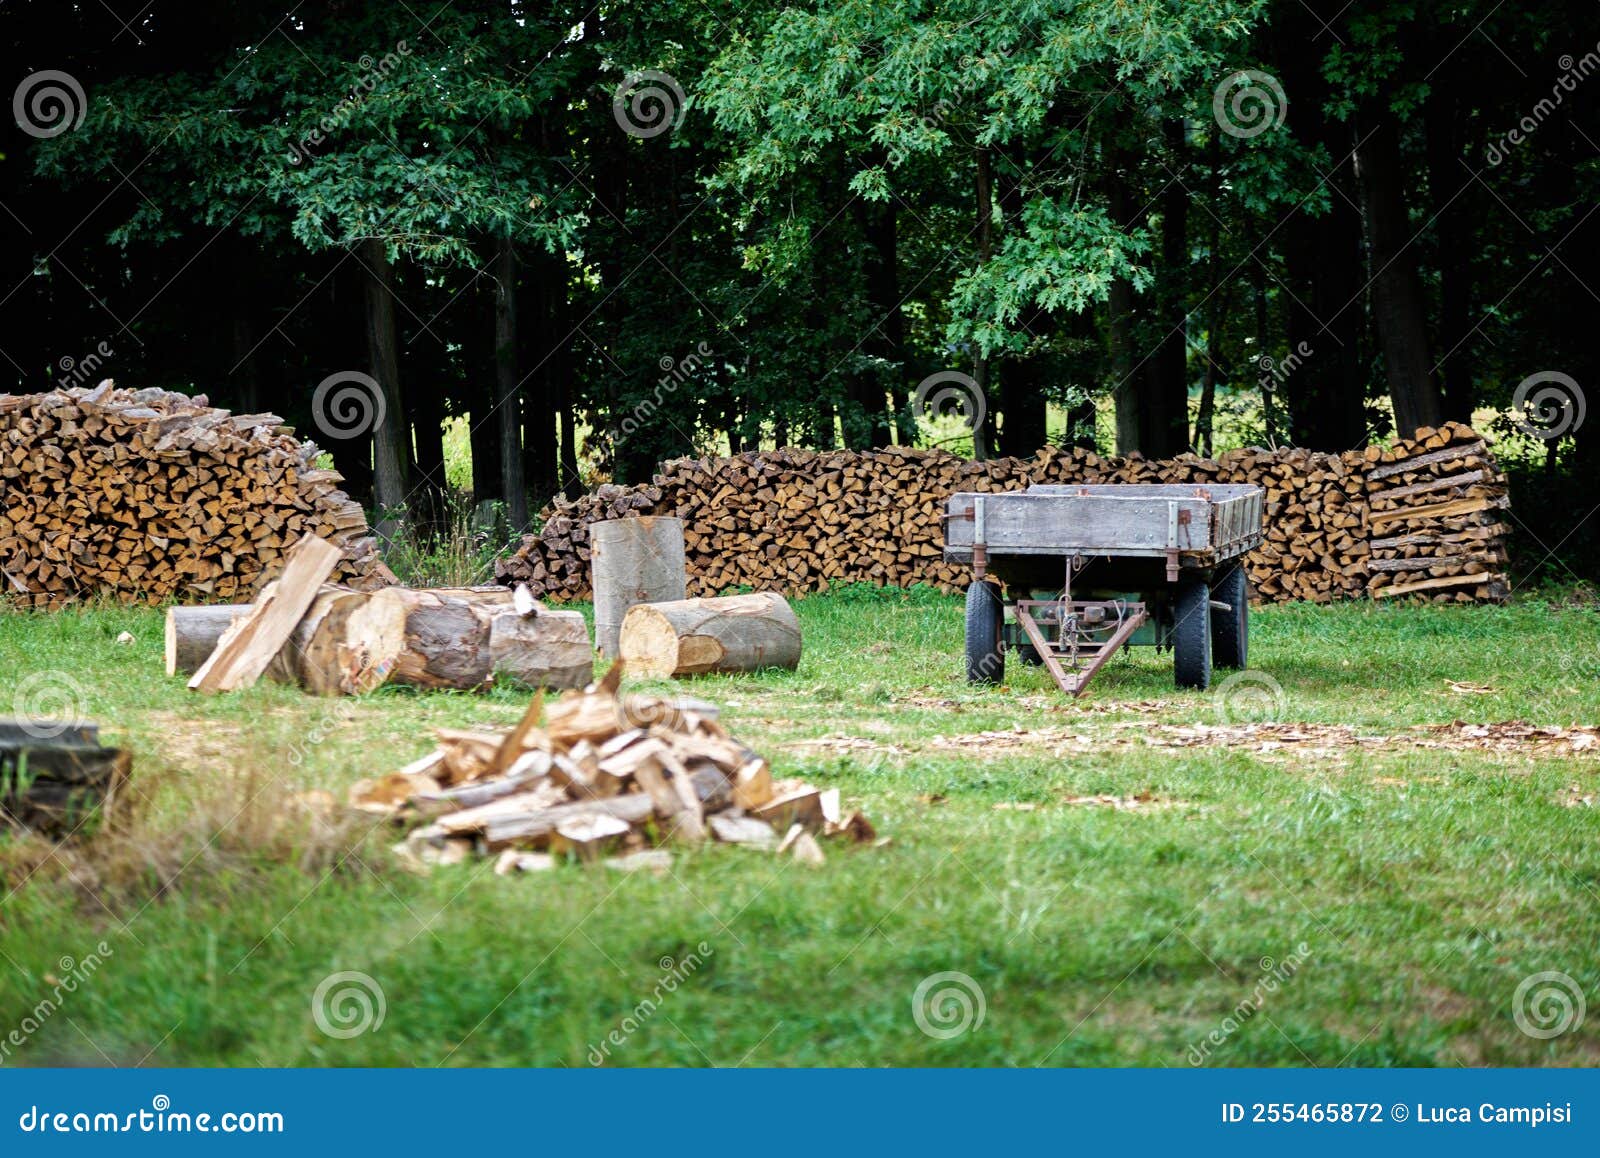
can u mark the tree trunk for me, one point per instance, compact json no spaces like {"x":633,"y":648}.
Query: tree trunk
{"x":508,"y":409}
{"x":1454,"y":194}
{"x":541,"y":464}
{"x":982,"y":447}
{"x":879,"y":390}
{"x":1397,"y":288}
{"x":734,"y":633}
{"x":638,"y":560}
{"x":1166,"y":407}
{"x":390,"y":453}
{"x":1119,"y":336}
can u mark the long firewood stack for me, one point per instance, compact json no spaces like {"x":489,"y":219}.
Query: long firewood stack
{"x":148,"y":495}
{"x":797,"y":520}
{"x":1436,"y":523}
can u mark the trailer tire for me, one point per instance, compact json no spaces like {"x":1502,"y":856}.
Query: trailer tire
{"x":1230,"y":630}
{"x":986,"y":661}
{"x":1191,"y":634}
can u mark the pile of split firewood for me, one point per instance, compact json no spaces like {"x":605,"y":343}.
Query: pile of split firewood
{"x":147,"y":495}
{"x":797,"y":520}
{"x":1437,"y":518}
{"x":601,"y":773}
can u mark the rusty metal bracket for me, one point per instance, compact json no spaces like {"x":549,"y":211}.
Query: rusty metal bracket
{"x":1082,"y":653}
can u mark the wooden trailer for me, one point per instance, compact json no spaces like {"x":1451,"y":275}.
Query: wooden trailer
{"x":1090,"y":569}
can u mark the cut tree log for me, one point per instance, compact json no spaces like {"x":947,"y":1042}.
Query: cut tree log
{"x":545,"y":649}
{"x":350,"y":642}
{"x":55,"y":777}
{"x":637,"y":560}
{"x":250,"y":644}
{"x":193,"y":632}
{"x":731,"y":633}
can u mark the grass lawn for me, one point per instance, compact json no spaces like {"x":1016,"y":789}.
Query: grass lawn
{"x":1308,"y":879}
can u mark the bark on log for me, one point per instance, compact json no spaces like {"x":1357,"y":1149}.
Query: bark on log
{"x":696,"y":636}
{"x":633,"y":561}
{"x":350,"y":642}
{"x":550,"y":649}
{"x":193,"y":632}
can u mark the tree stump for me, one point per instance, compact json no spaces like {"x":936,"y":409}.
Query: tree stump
{"x":732,"y":633}
{"x":633,"y":561}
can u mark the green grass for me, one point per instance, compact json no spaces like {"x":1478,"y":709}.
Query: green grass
{"x":1424,"y":883}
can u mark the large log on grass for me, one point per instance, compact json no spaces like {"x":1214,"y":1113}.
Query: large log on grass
{"x":725,"y":634}
{"x":350,"y":642}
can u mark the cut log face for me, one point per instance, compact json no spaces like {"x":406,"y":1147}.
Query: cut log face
{"x":733,"y":633}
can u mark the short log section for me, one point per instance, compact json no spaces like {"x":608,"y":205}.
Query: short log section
{"x":633,"y":561}
{"x":732,"y":633}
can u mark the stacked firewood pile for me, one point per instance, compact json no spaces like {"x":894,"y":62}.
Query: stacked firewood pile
{"x":1435,"y":516}
{"x":149,"y":496}
{"x":797,"y":520}
{"x":599,"y":773}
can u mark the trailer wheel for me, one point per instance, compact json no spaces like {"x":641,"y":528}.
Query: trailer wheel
{"x":986,"y":662}
{"x":1230,"y":630}
{"x":1191,"y":634}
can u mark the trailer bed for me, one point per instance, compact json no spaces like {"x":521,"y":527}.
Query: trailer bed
{"x":1191,"y":525}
